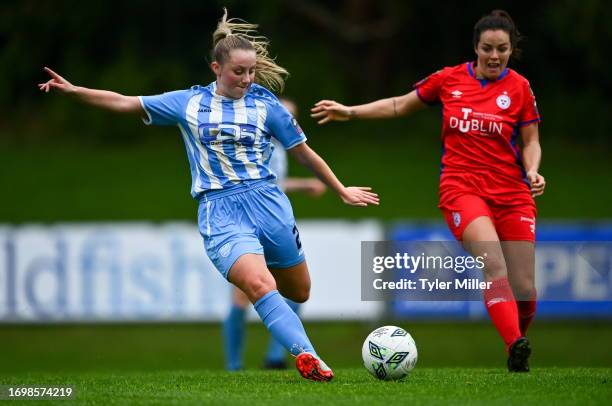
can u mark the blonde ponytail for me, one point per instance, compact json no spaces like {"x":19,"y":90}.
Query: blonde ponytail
{"x":238,"y":34}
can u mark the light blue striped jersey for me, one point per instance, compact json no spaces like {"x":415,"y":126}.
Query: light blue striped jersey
{"x":227,"y":140}
{"x":278,"y":163}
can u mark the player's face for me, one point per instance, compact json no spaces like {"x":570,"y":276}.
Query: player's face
{"x":493,"y":51}
{"x":235,"y":76}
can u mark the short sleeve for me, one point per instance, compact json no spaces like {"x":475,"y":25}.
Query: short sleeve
{"x":165,"y":109}
{"x":284,"y":126}
{"x":429,"y":88}
{"x":529,"y":109}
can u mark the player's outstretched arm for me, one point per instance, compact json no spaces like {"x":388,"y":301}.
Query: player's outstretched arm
{"x":532,"y":155}
{"x":329,"y":110}
{"x":103,"y":99}
{"x":352,"y":195}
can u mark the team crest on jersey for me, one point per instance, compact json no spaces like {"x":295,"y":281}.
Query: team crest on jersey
{"x":456,"y":219}
{"x":252,"y":114}
{"x":503,"y":101}
{"x":456,"y":94}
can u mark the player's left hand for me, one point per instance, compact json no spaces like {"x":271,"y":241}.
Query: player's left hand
{"x":538,"y":183}
{"x":359,"y":196}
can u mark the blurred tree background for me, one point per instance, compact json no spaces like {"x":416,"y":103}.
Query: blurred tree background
{"x":61,"y":161}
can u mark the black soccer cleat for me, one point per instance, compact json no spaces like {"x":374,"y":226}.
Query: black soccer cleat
{"x":518,"y":355}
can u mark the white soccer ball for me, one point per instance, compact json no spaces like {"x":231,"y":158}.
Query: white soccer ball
{"x":389,"y":353}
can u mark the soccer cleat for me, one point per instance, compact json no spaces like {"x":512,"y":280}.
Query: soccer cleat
{"x":313,"y":368}
{"x":518,"y":355}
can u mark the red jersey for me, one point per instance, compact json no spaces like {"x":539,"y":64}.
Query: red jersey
{"x":480,"y":126}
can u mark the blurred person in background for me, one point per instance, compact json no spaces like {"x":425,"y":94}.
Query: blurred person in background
{"x":234,"y":325}
{"x":245,"y":220}
{"x":487,"y":181}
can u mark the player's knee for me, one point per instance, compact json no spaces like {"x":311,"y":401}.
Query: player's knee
{"x":524,"y":290}
{"x":240,"y":299}
{"x":495,"y":267}
{"x":301,"y":296}
{"x":260,"y":286}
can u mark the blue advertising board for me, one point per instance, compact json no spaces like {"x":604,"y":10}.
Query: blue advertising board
{"x":570,"y":283}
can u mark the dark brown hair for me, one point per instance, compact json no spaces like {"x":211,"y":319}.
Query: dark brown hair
{"x":498,"y":20}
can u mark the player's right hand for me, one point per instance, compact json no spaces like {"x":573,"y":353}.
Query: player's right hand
{"x":329,"y":110}
{"x":57,"y":83}
{"x":359,"y":196}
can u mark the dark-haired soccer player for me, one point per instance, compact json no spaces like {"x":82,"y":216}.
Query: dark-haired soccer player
{"x":487,"y":182}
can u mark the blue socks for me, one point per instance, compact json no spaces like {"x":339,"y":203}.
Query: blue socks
{"x":233,"y":334}
{"x":276,"y":352}
{"x":282,"y":322}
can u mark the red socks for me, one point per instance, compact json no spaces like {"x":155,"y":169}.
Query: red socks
{"x":503,"y":311}
{"x":526,"y":312}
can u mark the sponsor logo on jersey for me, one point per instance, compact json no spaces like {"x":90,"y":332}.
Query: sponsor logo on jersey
{"x":218,"y":133}
{"x":456,"y":94}
{"x":503,"y":101}
{"x":478,"y":123}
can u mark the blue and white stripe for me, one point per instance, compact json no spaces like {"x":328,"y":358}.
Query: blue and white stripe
{"x":238,"y":132}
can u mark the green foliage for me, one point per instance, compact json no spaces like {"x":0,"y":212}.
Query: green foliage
{"x":354,"y":54}
{"x":56,"y":151}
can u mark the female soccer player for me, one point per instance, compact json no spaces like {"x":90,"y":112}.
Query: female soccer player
{"x":233,"y":327}
{"x":246,"y":221}
{"x":487,"y":184}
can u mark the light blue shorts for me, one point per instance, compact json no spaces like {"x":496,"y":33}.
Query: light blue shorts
{"x":252,"y":217}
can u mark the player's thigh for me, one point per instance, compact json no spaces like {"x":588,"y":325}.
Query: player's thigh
{"x":293,"y":282}
{"x":250,"y":274}
{"x":471,"y":220}
{"x":516,"y":228}
{"x":520,"y":261}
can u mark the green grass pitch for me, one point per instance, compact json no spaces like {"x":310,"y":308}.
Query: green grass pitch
{"x":183,"y":364}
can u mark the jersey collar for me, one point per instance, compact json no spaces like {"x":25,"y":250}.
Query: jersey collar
{"x":484,"y":82}
{"x":213,"y":89}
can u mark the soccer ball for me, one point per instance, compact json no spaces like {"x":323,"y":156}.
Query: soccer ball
{"x":389,"y":353}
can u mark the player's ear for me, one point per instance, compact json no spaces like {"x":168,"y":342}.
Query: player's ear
{"x":216,"y":68}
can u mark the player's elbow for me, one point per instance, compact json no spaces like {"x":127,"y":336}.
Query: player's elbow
{"x":128,"y":105}
{"x":303,"y":154}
